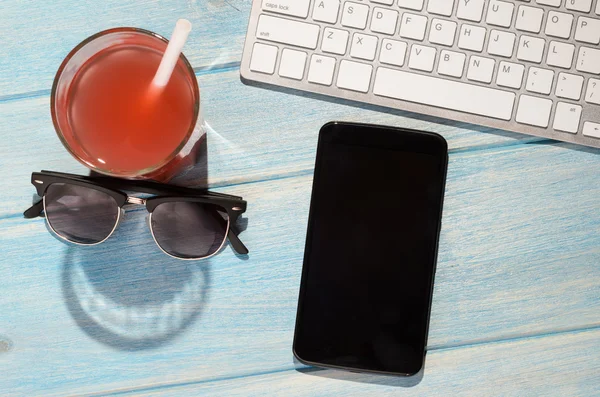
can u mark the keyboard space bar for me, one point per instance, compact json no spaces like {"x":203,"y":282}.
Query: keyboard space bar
{"x":445,"y":94}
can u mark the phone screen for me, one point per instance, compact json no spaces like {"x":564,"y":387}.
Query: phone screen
{"x":371,"y":249}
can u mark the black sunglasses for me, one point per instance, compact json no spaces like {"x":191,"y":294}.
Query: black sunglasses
{"x":185,"y":223}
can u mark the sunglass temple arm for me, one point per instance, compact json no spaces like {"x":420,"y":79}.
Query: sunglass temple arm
{"x":235,"y":241}
{"x":35,"y":210}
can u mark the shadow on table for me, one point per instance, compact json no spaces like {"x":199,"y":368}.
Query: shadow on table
{"x":126,"y":293}
{"x":131,"y":298}
{"x":374,"y":379}
{"x":570,"y":146}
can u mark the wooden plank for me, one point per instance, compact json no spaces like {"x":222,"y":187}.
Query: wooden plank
{"x":558,"y":365}
{"x":518,"y":257}
{"x":37,"y":36}
{"x":241,"y":146}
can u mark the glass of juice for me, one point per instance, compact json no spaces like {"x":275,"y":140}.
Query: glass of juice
{"x":109,"y":117}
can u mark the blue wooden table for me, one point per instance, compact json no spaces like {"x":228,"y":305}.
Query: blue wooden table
{"x":516,"y":307}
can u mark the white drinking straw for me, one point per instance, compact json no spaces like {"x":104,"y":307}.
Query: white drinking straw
{"x":169,"y":59}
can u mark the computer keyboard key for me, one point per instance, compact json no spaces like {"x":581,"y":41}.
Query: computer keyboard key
{"x":529,"y":19}
{"x":560,"y":54}
{"x":295,"y":8}
{"x":440,"y":7}
{"x":540,"y":80}
{"x":471,"y":37}
{"x":263,"y":58}
{"x":592,"y":94}
{"x":510,"y":75}
{"x":363,"y":46}
{"x":422,"y":58}
{"x":567,"y":117}
{"x":386,"y":2}
{"x":534,"y":111}
{"x":442,"y":32}
{"x":321,"y":70}
{"x":384,"y":20}
{"x":292,"y":64}
{"x":588,"y":30}
{"x":591,"y":129}
{"x":286,"y":31}
{"x":559,"y":24}
{"x":500,"y":13}
{"x":413,"y":26}
{"x":552,"y":3}
{"x":579,"y":5}
{"x":355,"y":15}
{"x":470,"y":10}
{"x":569,"y":86}
{"x":588,"y":60}
{"x":354,"y":76}
{"x":335,"y":41}
{"x":481,"y":69}
{"x":326,"y":11}
{"x":501,"y":43}
{"x":446,"y":94}
{"x":598,"y":8}
{"x":416,"y":5}
{"x":451,"y":63}
{"x":393,"y":52}
{"x":531,"y":49}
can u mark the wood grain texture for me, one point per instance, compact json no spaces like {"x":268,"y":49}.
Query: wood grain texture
{"x":518,"y":275}
{"x":242,"y":145}
{"x":511,"y":264}
{"x":568,"y":364}
{"x":37,"y":35}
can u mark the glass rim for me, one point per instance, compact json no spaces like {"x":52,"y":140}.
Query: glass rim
{"x":58,"y":130}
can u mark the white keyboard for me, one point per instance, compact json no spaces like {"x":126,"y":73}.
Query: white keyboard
{"x":528,"y":66}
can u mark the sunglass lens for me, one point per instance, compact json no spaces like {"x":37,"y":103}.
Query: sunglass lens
{"x":189,"y":230}
{"x":80,"y":214}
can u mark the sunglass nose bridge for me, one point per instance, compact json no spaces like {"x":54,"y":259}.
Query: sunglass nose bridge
{"x":136,"y":200}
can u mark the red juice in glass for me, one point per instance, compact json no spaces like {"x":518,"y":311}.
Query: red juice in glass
{"x":108,"y":115}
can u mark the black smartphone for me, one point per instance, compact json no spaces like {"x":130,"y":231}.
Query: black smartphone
{"x":371,"y":249}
